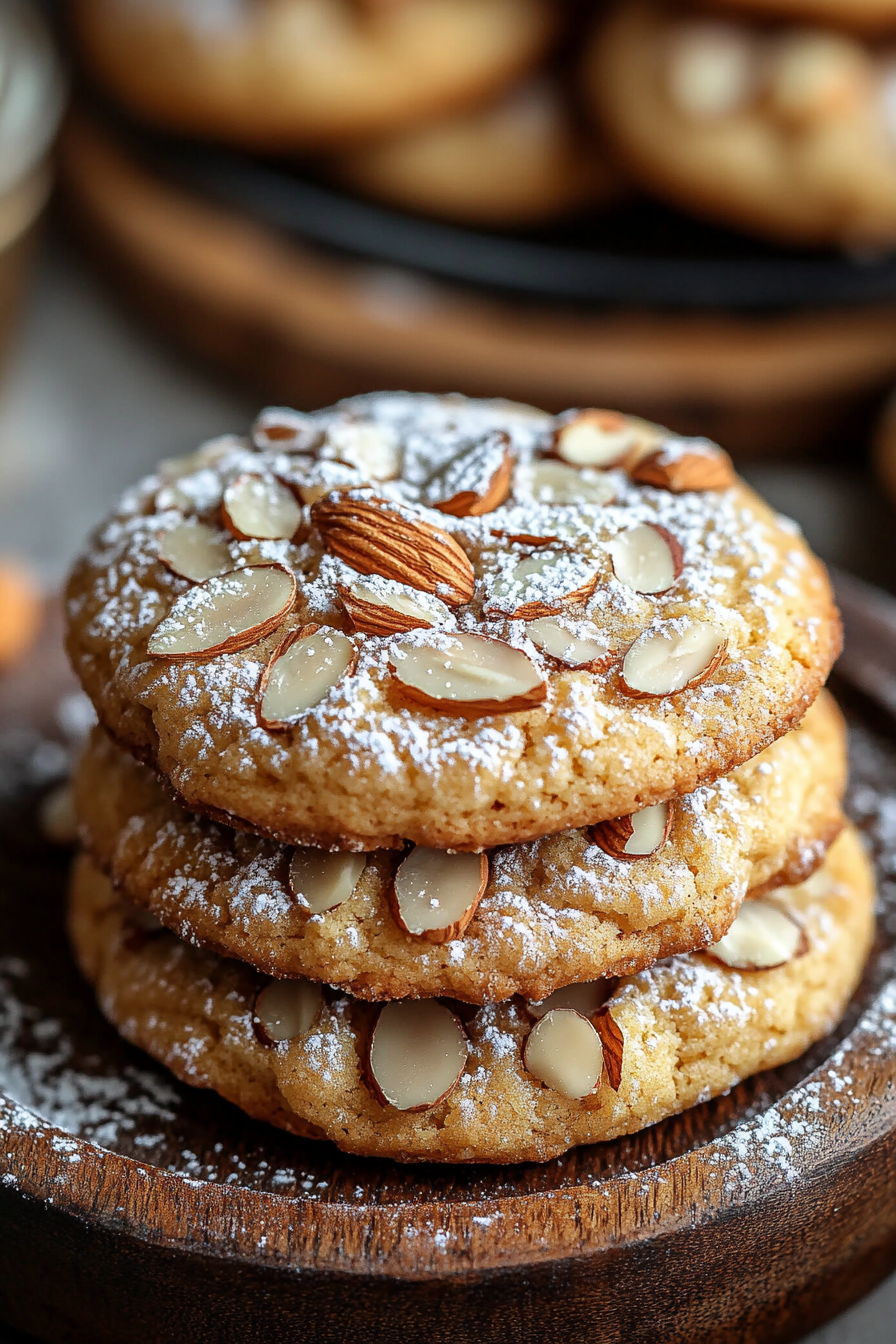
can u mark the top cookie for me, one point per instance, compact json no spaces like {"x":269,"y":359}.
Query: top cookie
{"x":290,"y":74}
{"x":438,"y":624}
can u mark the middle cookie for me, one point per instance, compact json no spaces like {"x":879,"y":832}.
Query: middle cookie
{"x":604,"y":901}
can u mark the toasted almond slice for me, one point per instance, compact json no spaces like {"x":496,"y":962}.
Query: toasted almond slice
{"x":321,"y":881}
{"x":375,"y":536}
{"x":543,"y":584}
{"x":475,"y":483}
{"x":434,"y":895}
{"x":551,"y":482}
{"x":304,"y":668}
{"x":373,"y":449}
{"x":195,"y":551}
{"x":553,"y":638}
{"x":532,"y":539}
{"x":279,"y":428}
{"x":636,"y":836}
{"x":387,"y":608}
{"x":666,"y":660}
{"x":470,"y":677}
{"x":612,"y":1038}
{"x":713,"y":68}
{"x":592,"y":438}
{"x":416,"y":1055}
{"x":226,"y":613}
{"x":320,"y":479}
{"x":584,"y":998}
{"x":762,"y":936}
{"x":260,"y":508}
{"x":564,"y":1051}
{"x":686,"y":464}
{"x":646,"y":558}
{"x":285,"y":1009}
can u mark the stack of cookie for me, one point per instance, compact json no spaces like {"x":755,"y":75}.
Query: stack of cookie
{"x":457,"y":108}
{"x":464,"y":789}
{"x":774,"y":116}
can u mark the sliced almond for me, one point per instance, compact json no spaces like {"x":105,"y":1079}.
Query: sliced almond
{"x":646,"y":558}
{"x":468,"y":677}
{"x":416,"y":1054}
{"x":195,"y":551}
{"x":553,"y":638}
{"x":281,"y":429}
{"x":532,"y":539}
{"x":301,"y":671}
{"x":543,"y":584}
{"x":816,"y":75}
{"x":475,"y":483}
{"x":636,"y":836}
{"x":762,"y":936}
{"x":688,"y":465}
{"x":584,"y":998}
{"x":285,"y":1009}
{"x":373,"y":449}
{"x":374,"y":536}
{"x":593,"y":438}
{"x":387,"y":608}
{"x":612,"y":1038}
{"x":712,"y":68}
{"x":564,"y":1051}
{"x":260,"y":508}
{"x":434,"y":895}
{"x":551,"y":482}
{"x":226,"y":613}
{"x":321,"y":881}
{"x":666,"y":660}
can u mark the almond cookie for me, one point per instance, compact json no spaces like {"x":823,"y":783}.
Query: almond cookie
{"x":450,"y":622}
{"x":512,"y":1082}
{"x":288,"y":74}
{"x":790,"y":132}
{"x":522,"y":920}
{"x":520,"y":160}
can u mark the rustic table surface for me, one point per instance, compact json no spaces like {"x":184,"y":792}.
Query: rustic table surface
{"x":88,"y":402}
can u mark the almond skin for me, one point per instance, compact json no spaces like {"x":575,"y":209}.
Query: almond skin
{"x":375,"y":537}
{"x":613,"y":1041}
{"x":684,"y":471}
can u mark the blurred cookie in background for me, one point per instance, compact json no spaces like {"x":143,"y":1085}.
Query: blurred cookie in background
{"x":520,"y":160}
{"x":788,"y":132}
{"x":289,"y":75}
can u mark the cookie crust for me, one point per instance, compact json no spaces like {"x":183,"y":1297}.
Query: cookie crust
{"x":691,"y":1029}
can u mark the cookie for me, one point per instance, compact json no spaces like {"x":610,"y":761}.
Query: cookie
{"x":416,"y":660}
{"x":674,"y":1035}
{"x":290,"y":74}
{"x":520,"y":160}
{"x":555,"y":909}
{"x":788,"y":132}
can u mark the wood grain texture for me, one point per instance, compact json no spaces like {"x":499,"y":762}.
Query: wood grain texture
{"x":140,"y":1210}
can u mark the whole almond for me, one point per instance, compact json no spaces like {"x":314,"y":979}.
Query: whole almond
{"x":375,"y":537}
{"x":680,"y":468}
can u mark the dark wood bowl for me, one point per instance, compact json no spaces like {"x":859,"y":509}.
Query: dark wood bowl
{"x":133,"y":1209}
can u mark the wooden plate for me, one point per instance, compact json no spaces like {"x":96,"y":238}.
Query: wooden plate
{"x":133,"y":1209}
{"x":304,"y":326}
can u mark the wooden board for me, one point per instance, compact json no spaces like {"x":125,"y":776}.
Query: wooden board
{"x":135,"y":1209}
{"x":303,"y":327}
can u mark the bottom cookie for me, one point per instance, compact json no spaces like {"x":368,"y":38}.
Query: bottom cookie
{"x":677,"y":1034}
